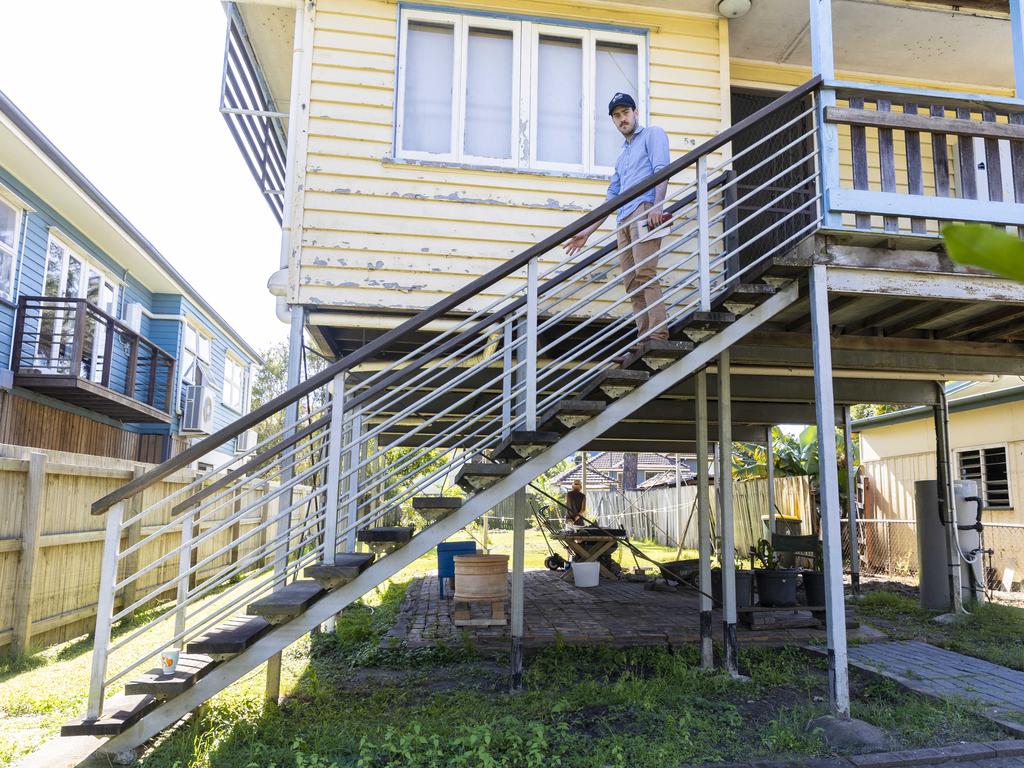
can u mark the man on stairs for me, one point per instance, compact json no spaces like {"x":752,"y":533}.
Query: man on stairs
{"x":644,"y":152}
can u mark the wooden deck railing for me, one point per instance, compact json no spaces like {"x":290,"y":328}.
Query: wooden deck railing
{"x":74,"y":338}
{"x":917,"y":159}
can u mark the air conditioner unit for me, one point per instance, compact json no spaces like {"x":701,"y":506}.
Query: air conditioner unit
{"x":197,"y":417}
{"x":246,"y":441}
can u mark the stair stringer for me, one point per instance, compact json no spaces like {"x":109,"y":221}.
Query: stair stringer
{"x":334,"y":601}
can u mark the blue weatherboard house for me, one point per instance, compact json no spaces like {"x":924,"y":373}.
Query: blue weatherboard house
{"x":104,"y":348}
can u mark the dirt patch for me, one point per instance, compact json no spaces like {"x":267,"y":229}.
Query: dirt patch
{"x":473,"y":675}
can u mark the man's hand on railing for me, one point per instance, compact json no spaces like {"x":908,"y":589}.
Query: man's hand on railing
{"x":576,"y":243}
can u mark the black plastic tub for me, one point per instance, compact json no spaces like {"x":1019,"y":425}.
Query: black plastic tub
{"x":776,"y":587}
{"x":744,"y":588}
{"x":814,"y":587}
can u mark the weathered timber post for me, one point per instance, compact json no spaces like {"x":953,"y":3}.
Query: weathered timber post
{"x":828,"y":490}
{"x":31,"y":530}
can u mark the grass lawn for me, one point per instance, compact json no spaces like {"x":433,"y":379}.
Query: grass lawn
{"x":349,"y":703}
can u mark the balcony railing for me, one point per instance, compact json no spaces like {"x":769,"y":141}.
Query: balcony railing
{"x":905,"y":161}
{"x":74,"y":351}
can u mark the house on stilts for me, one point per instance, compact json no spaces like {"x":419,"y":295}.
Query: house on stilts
{"x":427,"y":161}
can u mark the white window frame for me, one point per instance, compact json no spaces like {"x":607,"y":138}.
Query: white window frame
{"x":201,"y":334}
{"x":525,"y":45}
{"x":14,"y":251}
{"x":983,"y":482}
{"x":117,"y":285}
{"x":242,"y":384}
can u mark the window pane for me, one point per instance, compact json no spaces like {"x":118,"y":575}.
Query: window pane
{"x":427,"y":116}
{"x":71,"y":288}
{"x":6,"y":275}
{"x":997,"y":486}
{"x":559,"y":100}
{"x":8,"y":216}
{"x":54,"y":265}
{"x":489,"y":79}
{"x":616,"y":71}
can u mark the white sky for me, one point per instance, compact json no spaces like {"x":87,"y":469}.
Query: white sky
{"x":128,"y":90}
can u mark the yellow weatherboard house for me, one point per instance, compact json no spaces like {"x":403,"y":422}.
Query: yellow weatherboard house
{"x":491,"y":297}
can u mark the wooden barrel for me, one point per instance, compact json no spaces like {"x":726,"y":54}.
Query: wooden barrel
{"x":481,"y":578}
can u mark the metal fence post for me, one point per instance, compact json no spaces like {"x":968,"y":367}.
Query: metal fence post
{"x":530,"y":344}
{"x":352,"y":486}
{"x":333,"y":469}
{"x":828,"y":487}
{"x":727,"y":556}
{"x":184,"y":566}
{"x":104,"y":609}
{"x":707,"y":653}
{"x":703,"y":235}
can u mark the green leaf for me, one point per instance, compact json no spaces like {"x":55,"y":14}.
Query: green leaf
{"x":986,"y":247}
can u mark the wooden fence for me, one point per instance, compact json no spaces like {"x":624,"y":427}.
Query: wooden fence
{"x":668,"y":515}
{"x":51,"y":545}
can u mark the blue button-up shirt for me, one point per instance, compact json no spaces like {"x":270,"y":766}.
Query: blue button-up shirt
{"x":643,"y":154}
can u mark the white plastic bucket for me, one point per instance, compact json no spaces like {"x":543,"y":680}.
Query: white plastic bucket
{"x":586,"y":574}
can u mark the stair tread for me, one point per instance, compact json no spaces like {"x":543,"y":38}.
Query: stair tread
{"x":756,"y":289}
{"x":660,"y":349}
{"x":624,"y":375}
{"x":507,"y":448}
{"x":191,"y":668}
{"x":290,"y":600}
{"x":346,"y":567}
{"x":231,"y":636}
{"x":487,"y":470}
{"x":436,"y":502}
{"x":386,"y":534}
{"x":479,"y":470}
{"x":579,"y":407}
{"x":119,"y":713}
{"x":715,"y":317}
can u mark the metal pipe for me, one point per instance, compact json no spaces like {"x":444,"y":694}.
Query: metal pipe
{"x":770,"y":467}
{"x":707,"y":652}
{"x":851,"y":502}
{"x":947,"y":498}
{"x":727,"y":557}
{"x":104,"y":610}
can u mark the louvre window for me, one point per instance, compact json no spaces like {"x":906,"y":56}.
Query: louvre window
{"x":988,"y":467}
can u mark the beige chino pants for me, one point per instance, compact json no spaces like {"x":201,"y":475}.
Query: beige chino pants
{"x":638,"y":269}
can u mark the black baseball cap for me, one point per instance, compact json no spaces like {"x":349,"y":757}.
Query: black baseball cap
{"x":621,"y":100}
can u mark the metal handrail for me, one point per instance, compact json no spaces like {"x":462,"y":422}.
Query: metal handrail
{"x":386,"y":340}
{"x":445,"y":402}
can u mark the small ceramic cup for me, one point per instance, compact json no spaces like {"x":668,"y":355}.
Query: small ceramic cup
{"x":169,"y":661}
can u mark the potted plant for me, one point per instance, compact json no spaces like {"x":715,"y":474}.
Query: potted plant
{"x":776,"y":587}
{"x":744,"y":584}
{"x":814,"y":580}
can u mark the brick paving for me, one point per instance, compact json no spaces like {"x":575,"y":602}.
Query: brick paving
{"x":944,"y":674}
{"x":619,"y":613}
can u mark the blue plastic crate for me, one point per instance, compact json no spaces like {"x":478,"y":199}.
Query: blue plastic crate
{"x":446,"y":553}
